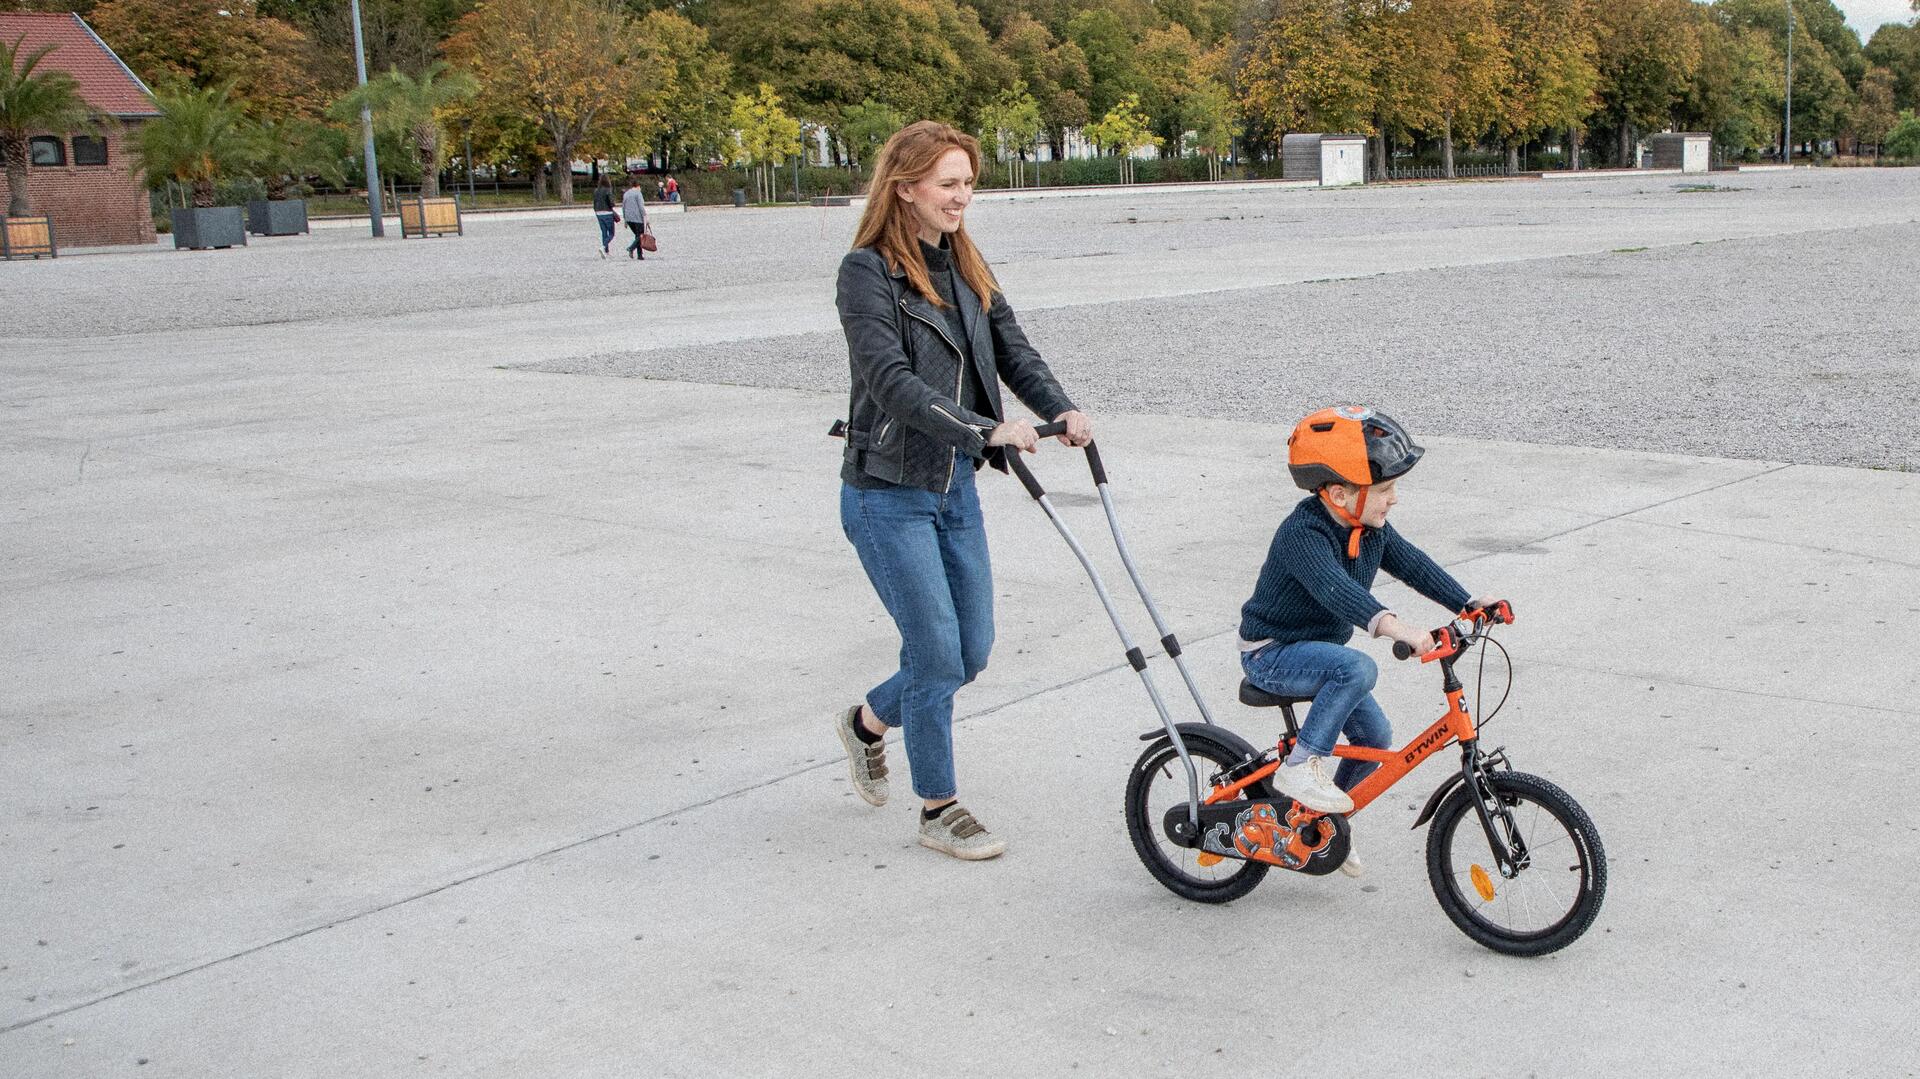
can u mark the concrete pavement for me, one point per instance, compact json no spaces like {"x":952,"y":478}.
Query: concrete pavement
{"x":382,"y":707}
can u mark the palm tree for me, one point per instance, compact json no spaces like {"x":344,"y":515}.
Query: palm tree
{"x":284,"y":152}
{"x":196,"y":139}
{"x":48,"y":101}
{"x":410,"y":107}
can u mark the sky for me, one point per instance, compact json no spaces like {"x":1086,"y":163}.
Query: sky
{"x":1866,"y":16}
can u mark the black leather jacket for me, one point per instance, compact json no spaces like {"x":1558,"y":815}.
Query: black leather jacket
{"x":904,"y":422}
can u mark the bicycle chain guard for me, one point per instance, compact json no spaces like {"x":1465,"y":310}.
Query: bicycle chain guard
{"x":1279,"y":833}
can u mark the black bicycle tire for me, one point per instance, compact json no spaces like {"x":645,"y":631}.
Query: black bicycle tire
{"x":1201,"y":747}
{"x":1458,"y":809}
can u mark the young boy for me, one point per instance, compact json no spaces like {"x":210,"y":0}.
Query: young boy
{"x":1314,"y":590}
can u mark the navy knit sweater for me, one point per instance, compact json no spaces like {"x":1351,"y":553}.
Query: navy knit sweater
{"x":1310,"y":591}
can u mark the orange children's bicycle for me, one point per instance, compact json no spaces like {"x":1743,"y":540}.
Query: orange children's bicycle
{"x":1514,"y":861}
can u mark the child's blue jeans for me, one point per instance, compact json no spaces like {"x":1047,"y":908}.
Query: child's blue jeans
{"x":926,"y":555}
{"x":1340,"y":681}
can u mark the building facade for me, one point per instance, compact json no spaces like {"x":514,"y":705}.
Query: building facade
{"x":88,"y":182}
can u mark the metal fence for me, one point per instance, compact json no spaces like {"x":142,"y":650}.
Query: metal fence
{"x":1434,"y":172}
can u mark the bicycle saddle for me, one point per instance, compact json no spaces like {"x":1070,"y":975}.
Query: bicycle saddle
{"x":1253,"y":695}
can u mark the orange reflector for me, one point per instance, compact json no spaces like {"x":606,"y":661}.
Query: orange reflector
{"x":1208,"y":858}
{"x":1481,"y":882}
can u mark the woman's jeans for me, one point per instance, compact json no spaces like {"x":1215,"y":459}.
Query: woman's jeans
{"x":606,"y":230}
{"x":1340,"y":681}
{"x":926,"y":555}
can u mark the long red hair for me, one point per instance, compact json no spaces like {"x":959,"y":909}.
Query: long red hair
{"x":888,"y":224}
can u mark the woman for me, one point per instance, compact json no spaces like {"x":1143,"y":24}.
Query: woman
{"x":929,"y":339}
{"x":603,"y":212}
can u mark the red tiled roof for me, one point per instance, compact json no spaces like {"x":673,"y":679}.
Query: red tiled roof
{"x":105,"y":83}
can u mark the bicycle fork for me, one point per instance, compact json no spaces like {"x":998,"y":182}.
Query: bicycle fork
{"x":1496,"y":819}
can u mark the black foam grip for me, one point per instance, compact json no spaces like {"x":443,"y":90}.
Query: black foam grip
{"x":1094,"y":463}
{"x":1171,"y":644}
{"x":1048,"y":430}
{"x":1402,"y":650}
{"x":1137,"y":658}
{"x":1024,"y":474}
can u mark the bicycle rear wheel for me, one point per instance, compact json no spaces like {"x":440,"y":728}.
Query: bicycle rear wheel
{"x":1159,"y":783}
{"x":1553,"y":895}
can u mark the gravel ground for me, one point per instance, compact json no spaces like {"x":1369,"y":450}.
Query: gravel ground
{"x":1802,"y":351}
{"x":1502,"y":312}
{"x":500,"y":263}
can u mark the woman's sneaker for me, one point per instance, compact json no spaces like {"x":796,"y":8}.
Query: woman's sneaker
{"x":1309,"y":784}
{"x":955,"y":832}
{"x":866,"y":760}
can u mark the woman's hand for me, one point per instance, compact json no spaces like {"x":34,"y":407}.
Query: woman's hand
{"x":1079,"y":429}
{"x":1016,"y":433}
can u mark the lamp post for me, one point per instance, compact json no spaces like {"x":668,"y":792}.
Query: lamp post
{"x":1786,"y":136}
{"x":366,"y":131}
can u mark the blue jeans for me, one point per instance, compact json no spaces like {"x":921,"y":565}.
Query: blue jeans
{"x":1340,"y":681}
{"x":606,"y":230}
{"x":926,"y":555}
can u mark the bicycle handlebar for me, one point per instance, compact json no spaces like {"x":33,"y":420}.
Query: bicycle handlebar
{"x":1449,"y":640}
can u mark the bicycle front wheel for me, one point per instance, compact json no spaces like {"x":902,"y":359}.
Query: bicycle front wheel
{"x":1554,"y":893}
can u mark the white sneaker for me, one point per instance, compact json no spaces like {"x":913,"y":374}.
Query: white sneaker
{"x":1310,"y":785}
{"x":1352,"y":867}
{"x":956,"y":832}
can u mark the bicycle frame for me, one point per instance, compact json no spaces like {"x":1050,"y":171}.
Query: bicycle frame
{"x":1395,"y":764}
{"x":1456,"y":726}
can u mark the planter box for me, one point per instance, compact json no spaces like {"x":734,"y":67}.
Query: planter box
{"x":203,"y":230}
{"x":27,"y":237}
{"x":430,"y":217}
{"x":282,"y":217}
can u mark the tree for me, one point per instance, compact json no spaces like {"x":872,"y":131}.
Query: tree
{"x":412,"y":108}
{"x":1873,"y":114}
{"x":196,"y":139}
{"x":32,"y":101}
{"x":1649,"y":50}
{"x":1055,"y":73}
{"x":1108,"y":47}
{"x":397,"y":33}
{"x":1550,"y":50}
{"x":1123,"y":130}
{"x":572,"y":65}
{"x":1897,"y":48}
{"x":1822,"y":90}
{"x":1736,"y":92}
{"x":267,"y":64}
{"x":283,"y":153}
{"x":765,"y":136}
{"x":1462,"y":65}
{"x":1904,"y":139}
{"x":1303,"y":71}
{"x":695,"y":108}
{"x":1210,"y":115}
{"x":866,"y":127}
{"x":1384,"y":33}
{"x":1167,"y":57}
{"x":1009,"y":127}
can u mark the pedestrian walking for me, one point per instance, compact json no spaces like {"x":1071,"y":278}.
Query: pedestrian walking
{"x":604,"y":213}
{"x":659,"y":191}
{"x":929,"y":339}
{"x":634,"y":205}
{"x":673,"y":189}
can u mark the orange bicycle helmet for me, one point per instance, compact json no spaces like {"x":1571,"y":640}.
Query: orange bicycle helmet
{"x":1350,"y":444}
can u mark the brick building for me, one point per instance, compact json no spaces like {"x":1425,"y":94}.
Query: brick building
{"x":89,"y":183}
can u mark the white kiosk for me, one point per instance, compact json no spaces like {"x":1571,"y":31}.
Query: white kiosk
{"x":1688,"y":151}
{"x":1329,"y":160}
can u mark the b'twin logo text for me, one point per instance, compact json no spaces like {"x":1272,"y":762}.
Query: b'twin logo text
{"x":1432,"y":739}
